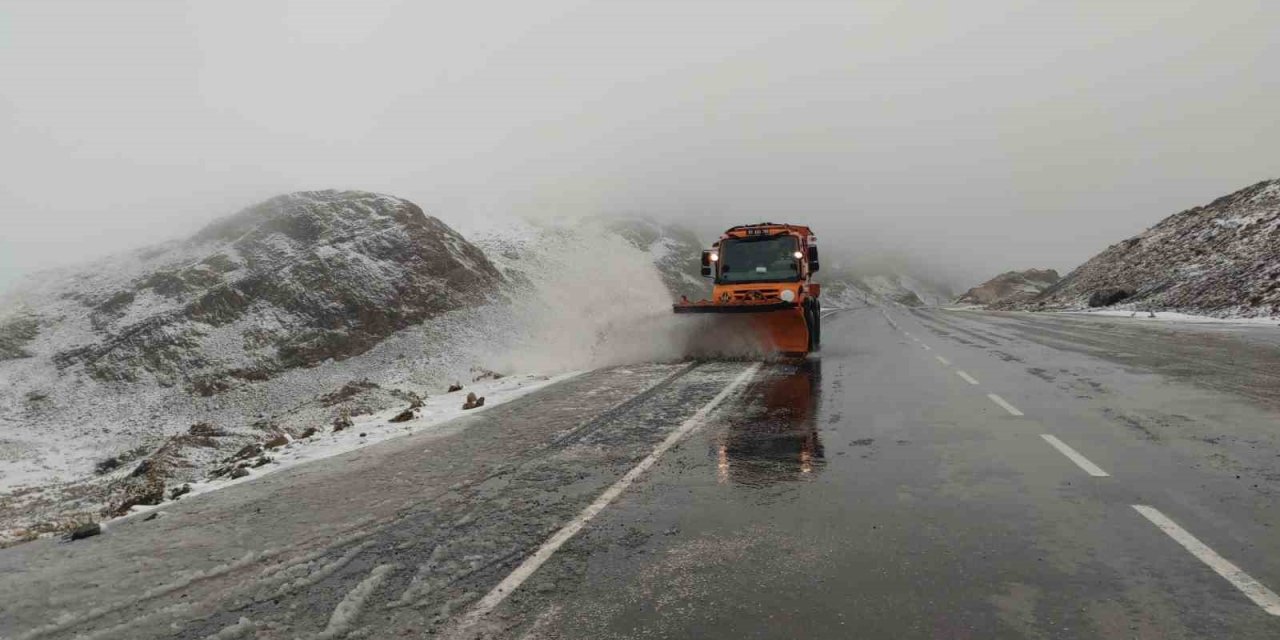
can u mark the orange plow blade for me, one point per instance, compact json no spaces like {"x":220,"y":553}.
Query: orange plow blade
{"x":767,"y":328}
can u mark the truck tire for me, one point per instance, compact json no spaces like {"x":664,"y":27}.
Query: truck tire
{"x":817,"y":325}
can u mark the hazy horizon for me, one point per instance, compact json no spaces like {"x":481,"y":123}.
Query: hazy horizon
{"x":978,"y":138}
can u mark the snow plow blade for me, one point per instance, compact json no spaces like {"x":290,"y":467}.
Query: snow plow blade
{"x":766,"y":327}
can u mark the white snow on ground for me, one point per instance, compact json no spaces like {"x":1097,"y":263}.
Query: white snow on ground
{"x":1170,"y":316}
{"x":1163,"y":316}
{"x":374,"y":428}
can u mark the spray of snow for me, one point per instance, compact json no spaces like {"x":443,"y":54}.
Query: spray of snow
{"x":582,"y":298}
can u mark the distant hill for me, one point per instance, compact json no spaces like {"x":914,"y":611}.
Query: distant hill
{"x":1011,"y":286}
{"x":1220,"y":259}
{"x":879,"y":282}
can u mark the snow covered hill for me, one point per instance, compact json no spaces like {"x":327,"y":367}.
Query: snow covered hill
{"x":292,"y":282}
{"x":1221,"y":259}
{"x":1010,"y":287}
{"x":237,"y":334}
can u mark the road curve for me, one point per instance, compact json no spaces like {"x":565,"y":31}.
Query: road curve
{"x":932,"y":474}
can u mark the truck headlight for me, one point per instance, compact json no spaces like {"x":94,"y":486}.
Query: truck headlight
{"x":787,"y":295}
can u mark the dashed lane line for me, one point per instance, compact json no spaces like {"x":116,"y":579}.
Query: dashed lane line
{"x":926,"y":347}
{"x":1004,"y":404}
{"x":1254,"y":590}
{"x":1075,"y":456}
{"x":1246,"y":584}
{"x":553,"y":544}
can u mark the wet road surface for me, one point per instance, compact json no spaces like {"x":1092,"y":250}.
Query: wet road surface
{"x":933,"y":474}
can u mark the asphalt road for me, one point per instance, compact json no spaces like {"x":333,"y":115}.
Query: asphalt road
{"x":933,"y":474}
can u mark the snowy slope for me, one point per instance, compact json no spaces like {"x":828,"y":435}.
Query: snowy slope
{"x":259,"y":311}
{"x":1220,"y":259}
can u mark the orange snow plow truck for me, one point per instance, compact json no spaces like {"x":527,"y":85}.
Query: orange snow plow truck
{"x":763,"y":275}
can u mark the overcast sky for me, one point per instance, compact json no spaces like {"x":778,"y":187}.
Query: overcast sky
{"x":986,"y":135}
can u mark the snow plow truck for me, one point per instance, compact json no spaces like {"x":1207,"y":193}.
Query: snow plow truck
{"x":763,"y":276}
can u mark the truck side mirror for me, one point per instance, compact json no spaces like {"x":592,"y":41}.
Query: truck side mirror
{"x":706,"y":264}
{"x":813,"y":259}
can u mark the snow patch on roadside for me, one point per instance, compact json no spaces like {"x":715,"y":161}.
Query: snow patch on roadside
{"x":1170,"y":316}
{"x":374,"y":428}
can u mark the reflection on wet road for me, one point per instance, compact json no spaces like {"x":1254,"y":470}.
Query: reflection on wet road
{"x":776,"y":439}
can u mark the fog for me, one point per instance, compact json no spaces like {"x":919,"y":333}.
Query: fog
{"x":980,"y":136}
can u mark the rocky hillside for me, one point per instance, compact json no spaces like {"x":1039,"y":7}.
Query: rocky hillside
{"x":1011,"y":287}
{"x":237,"y":328}
{"x":1220,"y":259}
{"x":291,"y":282}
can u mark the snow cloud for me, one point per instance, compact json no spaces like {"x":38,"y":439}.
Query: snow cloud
{"x":987,"y":136}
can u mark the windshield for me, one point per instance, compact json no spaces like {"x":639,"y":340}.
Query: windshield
{"x":759,"y":259}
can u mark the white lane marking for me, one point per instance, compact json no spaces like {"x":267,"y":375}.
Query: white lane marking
{"x":548,"y":548}
{"x":889,"y":320}
{"x":1081,"y":461}
{"x":943,"y":360}
{"x":906,"y":333}
{"x":926,"y":347}
{"x":966,"y":377}
{"x":1254,"y":590}
{"x":345,"y":614}
{"x":1005,"y":404}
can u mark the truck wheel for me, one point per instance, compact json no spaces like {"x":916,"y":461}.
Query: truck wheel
{"x":810,"y":324}
{"x":817,"y":325}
